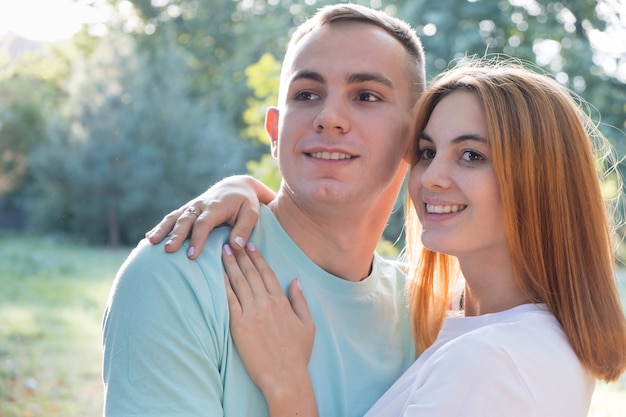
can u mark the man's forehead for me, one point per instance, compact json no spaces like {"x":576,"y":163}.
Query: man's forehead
{"x":350,"y":47}
{"x":344,"y":30}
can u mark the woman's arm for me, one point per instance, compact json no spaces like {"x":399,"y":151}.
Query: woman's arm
{"x":233,"y":200}
{"x":274,"y":335}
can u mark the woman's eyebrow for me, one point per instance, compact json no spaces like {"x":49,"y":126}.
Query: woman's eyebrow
{"x":425,"y":137}
{"x":470,"y":136}
{"x":458,"y":139}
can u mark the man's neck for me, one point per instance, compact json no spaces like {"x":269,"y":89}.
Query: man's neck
{"x":342,"y":245}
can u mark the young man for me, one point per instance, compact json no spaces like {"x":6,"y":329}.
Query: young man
{"x":343,"y":125}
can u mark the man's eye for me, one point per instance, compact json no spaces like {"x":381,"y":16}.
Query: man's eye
{"x":365,"y":96}
{"x":305,"y":96}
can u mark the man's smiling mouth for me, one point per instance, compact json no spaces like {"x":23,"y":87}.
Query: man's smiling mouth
{"x":330,"y":155}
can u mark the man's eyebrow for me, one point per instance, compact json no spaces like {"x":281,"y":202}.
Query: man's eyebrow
{"x":308,"y":75}
{"x":354,"y":78}
{"x":361,"y":77}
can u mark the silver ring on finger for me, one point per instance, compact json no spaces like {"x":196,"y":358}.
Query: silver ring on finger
{"x":193,"y":211}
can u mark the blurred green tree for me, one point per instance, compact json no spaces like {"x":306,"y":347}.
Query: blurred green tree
{"x":262,"y":79}
{"x":30,"y":90}
{"x":124,"y":140}
{"x":133,"y":145}
{"x":221,"y":39}
{"x":556,"y":36}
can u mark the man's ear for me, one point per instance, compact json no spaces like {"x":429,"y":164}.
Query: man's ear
{"x":271,"y":127}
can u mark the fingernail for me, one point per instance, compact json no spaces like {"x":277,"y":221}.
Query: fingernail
{"x":298,"y":284}
{"x":191,"y":251}
{"x":151,"y":235}
{"x":239,"y":241}
{"x":227,"y":250}
{"x":169,"y":242}
{"x":251,"y":247}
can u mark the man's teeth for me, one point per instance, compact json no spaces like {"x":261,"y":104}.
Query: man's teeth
{"x":330,"y":155}
{"x":431,"y":208}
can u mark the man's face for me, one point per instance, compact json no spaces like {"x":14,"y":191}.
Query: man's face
{"x":344,"y":120}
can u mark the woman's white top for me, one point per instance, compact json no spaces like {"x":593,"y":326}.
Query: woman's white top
{"x":514,"y":363}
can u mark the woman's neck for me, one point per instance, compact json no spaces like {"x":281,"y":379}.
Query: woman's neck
{"x":490,"y":286}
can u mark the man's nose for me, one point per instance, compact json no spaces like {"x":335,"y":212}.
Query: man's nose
{"x":333,"y":116}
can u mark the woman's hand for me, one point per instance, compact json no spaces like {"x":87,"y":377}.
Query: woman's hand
{"x":233,"y":200}
{"x":274,"y":335}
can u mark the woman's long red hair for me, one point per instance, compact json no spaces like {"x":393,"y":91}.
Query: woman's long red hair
{"x":557,"y":222}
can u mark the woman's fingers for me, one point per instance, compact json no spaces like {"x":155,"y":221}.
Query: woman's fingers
{"x":238,"y":282}
{"x":178,"y":224}
{"x":300,"y":306}
{"x":233,"y":200}
{"x":270,"y":282}
{"x":261,"y":298}
{"x":247,"y":217}
{"x":234,"y":307}
{"x":274,"y":335}
{"x":161,"y":230}
{"x":254,"y":281}
{"x":207,"y":220}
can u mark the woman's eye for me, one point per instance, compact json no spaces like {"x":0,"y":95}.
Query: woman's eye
{"x":426,"y":154}
{"x":472,"y":156}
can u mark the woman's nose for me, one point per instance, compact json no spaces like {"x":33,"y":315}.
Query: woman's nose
{"x":435,"y":173}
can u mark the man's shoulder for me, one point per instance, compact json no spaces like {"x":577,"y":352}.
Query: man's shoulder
{"x":150,"y":263}
{"x":152,"y":282}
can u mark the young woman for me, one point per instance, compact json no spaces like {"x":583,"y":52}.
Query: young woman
{"x":504,"y":196}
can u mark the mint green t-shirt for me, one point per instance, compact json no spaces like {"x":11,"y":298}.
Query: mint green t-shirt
{"x":168,"y":350}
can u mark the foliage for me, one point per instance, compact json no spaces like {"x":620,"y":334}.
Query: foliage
{"x":29,"y":90}
{"x":266,"y":170}
{"x":263,"y":79}
{"x":221,"y":38}
{"x":554,"y":35}
{"x":133,"y":144}
{"x":103,"y":132}
{"x":20,"y":129}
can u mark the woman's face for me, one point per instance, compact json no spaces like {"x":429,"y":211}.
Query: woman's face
{"x":453,"y":185}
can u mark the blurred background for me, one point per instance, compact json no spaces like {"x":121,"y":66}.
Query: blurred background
{"x":115,"y":112}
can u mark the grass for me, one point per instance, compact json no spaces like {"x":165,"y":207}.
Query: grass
{"x":51,"y":301}
{"x":52,"y":294}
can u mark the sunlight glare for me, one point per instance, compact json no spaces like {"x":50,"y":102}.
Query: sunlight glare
{"x":46,"y":20}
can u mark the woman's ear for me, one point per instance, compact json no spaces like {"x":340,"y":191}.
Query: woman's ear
{"x":271,"y":127}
